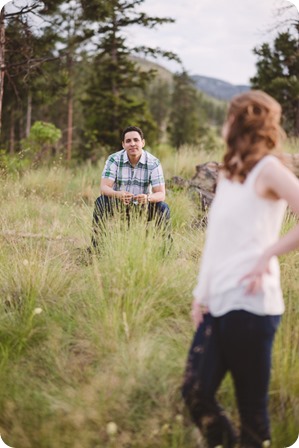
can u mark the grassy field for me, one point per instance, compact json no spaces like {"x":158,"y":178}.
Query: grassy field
{"x":92,"y":353}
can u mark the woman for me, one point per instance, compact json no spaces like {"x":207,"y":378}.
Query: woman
{"x":238,"y":300}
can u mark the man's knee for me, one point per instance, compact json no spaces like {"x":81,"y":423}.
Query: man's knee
{"x":160,"y":210}
{"x":164,"y":209}
{"x":103,"y":206}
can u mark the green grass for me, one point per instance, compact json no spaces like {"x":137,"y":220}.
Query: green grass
{"x":111,"y":341}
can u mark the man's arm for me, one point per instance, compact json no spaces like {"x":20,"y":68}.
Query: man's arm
{"x":107,"y":190}
{"x":158,"y":187}
{"x":157,"y":195}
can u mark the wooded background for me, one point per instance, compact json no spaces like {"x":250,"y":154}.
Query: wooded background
{"x":70,"y":82}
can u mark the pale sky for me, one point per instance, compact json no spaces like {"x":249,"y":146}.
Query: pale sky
{"x":213,"y":37}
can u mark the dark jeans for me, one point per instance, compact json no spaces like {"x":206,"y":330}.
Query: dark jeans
{"x":241,"y":343}
{"x":106,"y":207}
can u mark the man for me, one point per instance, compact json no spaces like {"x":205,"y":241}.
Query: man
{"x":131,"y":177}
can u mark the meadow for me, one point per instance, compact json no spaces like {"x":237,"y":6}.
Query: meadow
{"x":93,"y":348}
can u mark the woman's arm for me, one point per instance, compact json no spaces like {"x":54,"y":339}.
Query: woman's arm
{"x":275,"y":181}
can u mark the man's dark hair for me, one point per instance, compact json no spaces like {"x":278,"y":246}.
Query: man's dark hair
{"x":130,"y":129}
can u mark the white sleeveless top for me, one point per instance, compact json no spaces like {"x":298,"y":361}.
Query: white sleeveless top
{"x":241,"y":226}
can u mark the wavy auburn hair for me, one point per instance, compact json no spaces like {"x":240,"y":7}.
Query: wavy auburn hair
{"x":252,"y":131}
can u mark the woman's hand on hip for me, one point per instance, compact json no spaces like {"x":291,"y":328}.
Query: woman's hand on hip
{"x":253,"y":280}
{"x":197,"y":313}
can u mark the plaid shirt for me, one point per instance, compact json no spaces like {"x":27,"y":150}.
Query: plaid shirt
{"x":137,"y":180}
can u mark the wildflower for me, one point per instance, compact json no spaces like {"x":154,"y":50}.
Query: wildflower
{"x":25,"y":262}
{"x":266,"y":443}
{"x":37,"y":311}
{"x":111,"y":428}
{"x":179,"y":418}
{"x":165,"y":428}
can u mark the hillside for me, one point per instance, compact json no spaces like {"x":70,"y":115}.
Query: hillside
{"x":212,"y":87}
{"x":163,"y":73}
{"x":217,"y":88}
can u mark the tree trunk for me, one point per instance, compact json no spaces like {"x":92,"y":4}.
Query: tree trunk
{"x":2,"y":61}
{"x":29,"y":114}
{"x":69,"y":111}
{"x":69,"y":125}
{"x":12,"y":132}
{"x":297,"y":120}
{"x":115,"y":90}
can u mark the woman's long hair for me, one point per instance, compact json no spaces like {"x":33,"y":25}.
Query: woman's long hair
{"x":252,"y":131}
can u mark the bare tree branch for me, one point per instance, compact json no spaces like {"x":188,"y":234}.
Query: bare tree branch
{"x":31,"y":62}
{"x":25,"y":10}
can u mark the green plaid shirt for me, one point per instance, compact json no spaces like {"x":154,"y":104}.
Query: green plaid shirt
{"x":138,"y":180}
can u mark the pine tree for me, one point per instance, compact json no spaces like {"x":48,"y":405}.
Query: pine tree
{"x":111,"y":102}
{"x":25,"y":54}
{"x":184,"y":118}
{"x":28,"y":64}
{"x":70,"y":27}
{"x":158,"y":97}
{"x":19,"y":17}
{"x":278,"y":74}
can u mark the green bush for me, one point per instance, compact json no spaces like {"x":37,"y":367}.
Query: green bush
{"x":42,"y":133}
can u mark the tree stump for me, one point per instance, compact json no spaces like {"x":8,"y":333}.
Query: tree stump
{"x":292,"y":162}
{"x":204,"y":181}
{"x":206,"y":176}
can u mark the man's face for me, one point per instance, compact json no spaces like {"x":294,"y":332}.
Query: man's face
{"x":133,"y":144}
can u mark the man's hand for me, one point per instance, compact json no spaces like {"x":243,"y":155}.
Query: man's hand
{"x":197,"y":313}
{"x":125,"y":197}
{"x":141,"y":198}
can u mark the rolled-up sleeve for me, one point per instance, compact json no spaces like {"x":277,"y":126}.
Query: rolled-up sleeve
{"x":157,"y":177}
{"x":110,"y":169}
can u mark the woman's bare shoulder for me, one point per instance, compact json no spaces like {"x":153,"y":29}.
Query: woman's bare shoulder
{"x":276,"y":181}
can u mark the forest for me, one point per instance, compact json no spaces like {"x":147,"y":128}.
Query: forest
{"x":70,"y":83}
{"x":68,"y":66}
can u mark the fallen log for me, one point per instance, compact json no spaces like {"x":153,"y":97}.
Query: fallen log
{"x":14,"y":234}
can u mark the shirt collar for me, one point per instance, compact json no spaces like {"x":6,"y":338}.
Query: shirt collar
{"x":141,"y":160}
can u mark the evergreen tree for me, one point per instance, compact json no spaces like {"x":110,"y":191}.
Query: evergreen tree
{"x":158,"y":97}
{"x":111,"y":102}
{"x":278,"y":74}
{"x":25,"y":54}
{"x":71,"y":29}
{"x":31,"y":83}
{"x":184,"y":118}
{"x":41,"y":65}
{"x":18,"y":14}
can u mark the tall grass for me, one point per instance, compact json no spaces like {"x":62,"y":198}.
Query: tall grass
{"x":183,"y":161}
{"x":92,"y":351}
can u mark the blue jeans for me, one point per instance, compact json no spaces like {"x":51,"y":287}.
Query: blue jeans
{"x":106,"y":206}
{"x":241,"y":343}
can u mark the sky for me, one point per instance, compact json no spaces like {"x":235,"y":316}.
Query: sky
{"x":213,"y":37}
